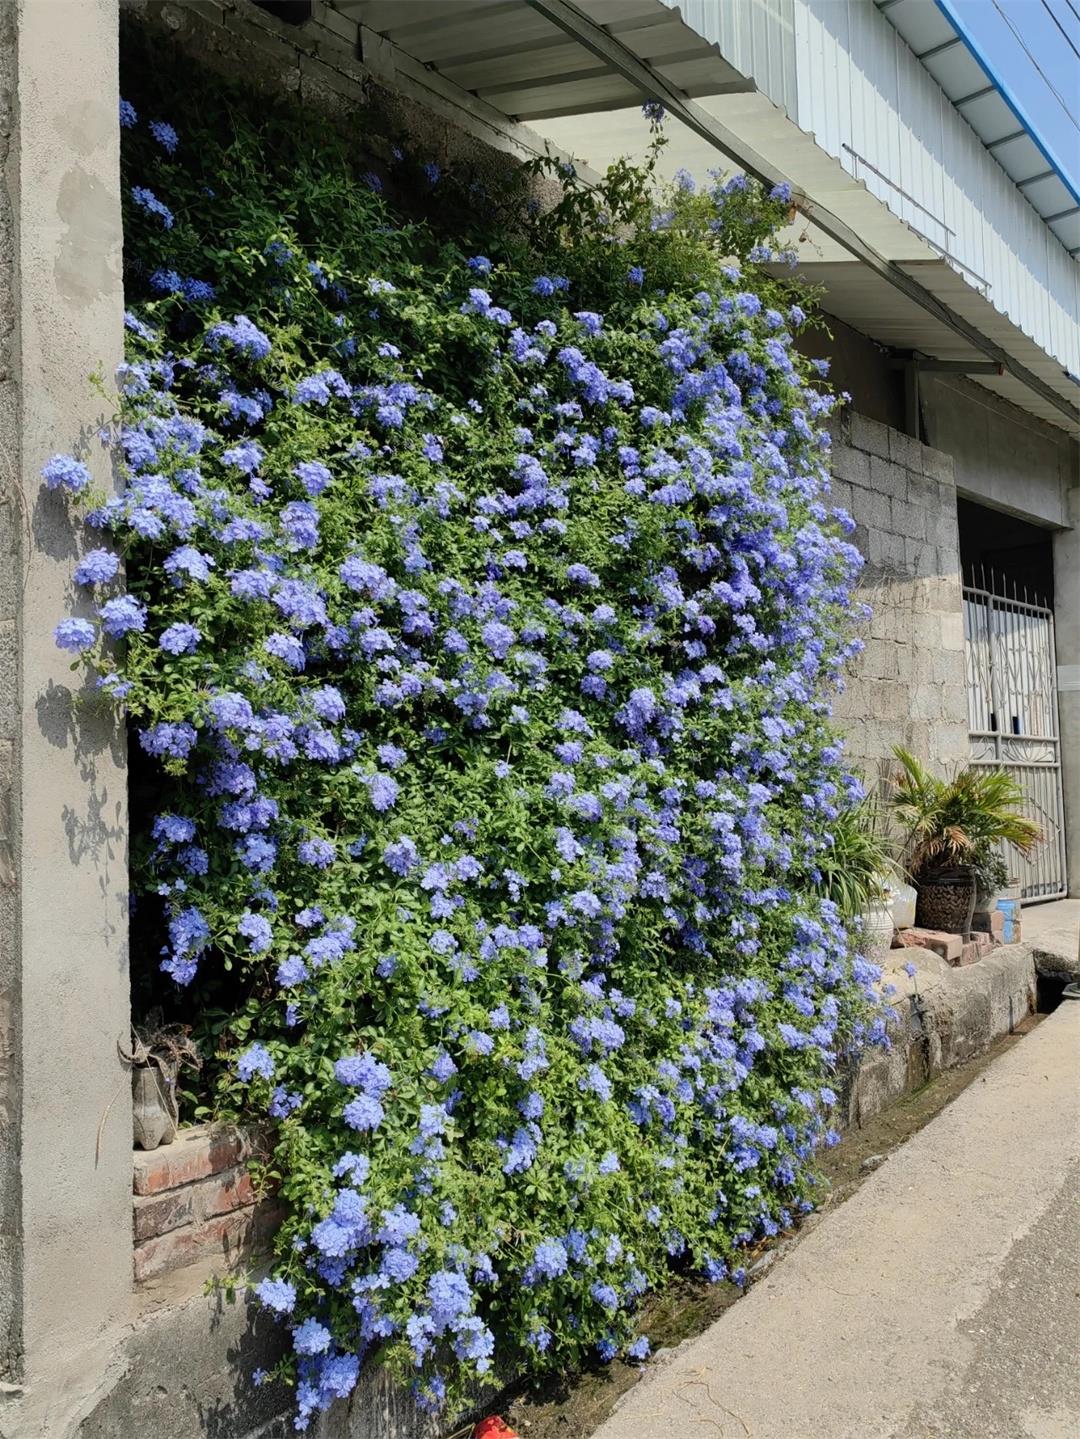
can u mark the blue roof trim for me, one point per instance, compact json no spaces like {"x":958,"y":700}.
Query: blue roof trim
{"x":952,"y":15}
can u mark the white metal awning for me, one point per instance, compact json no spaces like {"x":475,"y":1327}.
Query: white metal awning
{"x":578,"y":72}
{"x":977,"y":94}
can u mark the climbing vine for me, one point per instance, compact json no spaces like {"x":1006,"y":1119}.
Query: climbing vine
{"x":480,"y":607}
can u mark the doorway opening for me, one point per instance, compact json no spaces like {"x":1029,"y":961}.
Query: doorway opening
{"x":1008,"y":589}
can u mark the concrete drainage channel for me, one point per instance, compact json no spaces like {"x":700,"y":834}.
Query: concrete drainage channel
{"x":951,"y":1025}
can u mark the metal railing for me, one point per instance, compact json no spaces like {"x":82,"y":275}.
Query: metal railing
{"x":1013,"y":717}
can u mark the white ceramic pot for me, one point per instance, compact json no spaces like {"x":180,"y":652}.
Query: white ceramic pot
{"x":877,"y":925}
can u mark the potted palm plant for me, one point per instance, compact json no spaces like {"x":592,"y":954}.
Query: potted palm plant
{"x":946,"y":824}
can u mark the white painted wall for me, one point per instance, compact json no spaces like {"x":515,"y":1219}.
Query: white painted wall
{"x":857,"y":84}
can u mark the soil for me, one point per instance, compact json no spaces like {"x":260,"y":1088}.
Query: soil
{"x":576,"y":1406}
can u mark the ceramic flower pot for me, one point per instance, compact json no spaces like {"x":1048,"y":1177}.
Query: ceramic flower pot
{"x":946,"y":901}
{"x":153,"y":1111}
{"x":877,"y":928}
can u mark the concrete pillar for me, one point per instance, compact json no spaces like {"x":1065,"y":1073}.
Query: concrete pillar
{"x":65,"y":1125}
{"x":1067,"y":633}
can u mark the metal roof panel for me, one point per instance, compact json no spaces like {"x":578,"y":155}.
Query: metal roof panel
{"x":950,"y":55}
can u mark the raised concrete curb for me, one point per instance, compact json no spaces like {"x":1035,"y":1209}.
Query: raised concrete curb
{"x":941,"y":1301}
{"x":944,"y":1016}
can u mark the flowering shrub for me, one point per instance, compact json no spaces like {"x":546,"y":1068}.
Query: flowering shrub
{"x":482,"y":608}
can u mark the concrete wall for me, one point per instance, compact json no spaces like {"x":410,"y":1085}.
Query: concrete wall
{"x":66,"y":1283}
{"x":10,"y":563}
{"x":908,"y":686}
{"x":1002,"y":457}
{"x":1067,"y":628}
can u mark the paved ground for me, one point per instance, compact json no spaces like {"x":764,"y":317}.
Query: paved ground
{"x":942,"y":1301}
{"x":1054,"y":931}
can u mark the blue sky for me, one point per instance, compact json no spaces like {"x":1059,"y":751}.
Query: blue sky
{"x":1032,"y":48}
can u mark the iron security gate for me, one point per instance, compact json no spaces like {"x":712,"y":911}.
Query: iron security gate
{"x":1013,"y":716}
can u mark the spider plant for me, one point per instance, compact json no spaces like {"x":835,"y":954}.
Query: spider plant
{"x":946,"y":822}
{"x":856,"y":867}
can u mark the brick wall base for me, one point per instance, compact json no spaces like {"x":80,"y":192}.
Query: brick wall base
{"x":194,"y":1201}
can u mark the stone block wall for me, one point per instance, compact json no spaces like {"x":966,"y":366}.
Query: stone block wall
{"x":909,"y":685}
{"x":194,"y":1201}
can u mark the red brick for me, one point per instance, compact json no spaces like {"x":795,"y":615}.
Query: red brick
{"x":158,"y":1213}
{"x":989,"y":921}
{"x":194,"y":1154}
{"x":974,"y":949}
{"x":223,"y":1193}
{"x":223,"y":1239}
{"x":948,"y":946}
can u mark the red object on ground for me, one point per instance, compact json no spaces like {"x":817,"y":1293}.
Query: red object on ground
{"x":494,"y":1428}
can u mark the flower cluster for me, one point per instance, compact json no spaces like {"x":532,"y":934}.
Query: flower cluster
{"x":483,"y":638}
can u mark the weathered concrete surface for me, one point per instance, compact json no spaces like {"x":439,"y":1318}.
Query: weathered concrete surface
{"x":944,"y":1016}
{"x":1053,"y":932}
{"x":65,"y":1202}
{"x":1067,"y":639}
{"x":187,"y":1367}
{"x":942,"y":1299}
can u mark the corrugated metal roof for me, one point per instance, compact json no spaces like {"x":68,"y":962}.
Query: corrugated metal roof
{"x":540,"y":60}
{"x":511,"y":56}
{"x":978,"y":95}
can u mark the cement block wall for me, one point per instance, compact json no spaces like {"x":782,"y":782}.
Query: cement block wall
{"x":908,"y":686}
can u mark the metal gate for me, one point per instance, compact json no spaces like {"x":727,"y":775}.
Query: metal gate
{"x":1013,"y":716}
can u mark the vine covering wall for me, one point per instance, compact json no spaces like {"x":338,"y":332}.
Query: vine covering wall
{"x":481,"y":607}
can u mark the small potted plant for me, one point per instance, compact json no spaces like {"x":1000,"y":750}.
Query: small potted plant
{"x":157,"y":1053}
{"x":947,"y":823}
{"x":856,"y":873}
{"x":991,"y":875}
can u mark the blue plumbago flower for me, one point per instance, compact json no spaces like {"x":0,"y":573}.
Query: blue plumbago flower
{"x":311,"y":1337}
{"x":244,"y":337}
{"x":464,"y":701}
{"x":277,"y":1294}
{"x":165,"y":135}
{"x":128,"y":117}
{"x":148,"y":201}
{"x":97,"y":567}
{"x":75,"y":635}
{"x":313,"y":475}
{"x":64,"y":472}
{"x":180,"y":638}
{"x":122,"y":615}
{"x":256,"y":1059}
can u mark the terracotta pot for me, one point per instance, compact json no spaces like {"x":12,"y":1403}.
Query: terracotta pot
{"x":153,"y":1111}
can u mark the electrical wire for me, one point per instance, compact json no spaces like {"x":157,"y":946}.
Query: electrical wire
{"x":1065,"y":34}
{"x":1048,"y":82}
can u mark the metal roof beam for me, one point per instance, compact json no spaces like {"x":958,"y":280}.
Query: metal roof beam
{"x":938,"y":49}
{"x":1062,"y":214}
{"x":653,"y":85}
{"x":975,"y":95}
{"x":1034,"y":179}
{"x":1005,"y":139}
